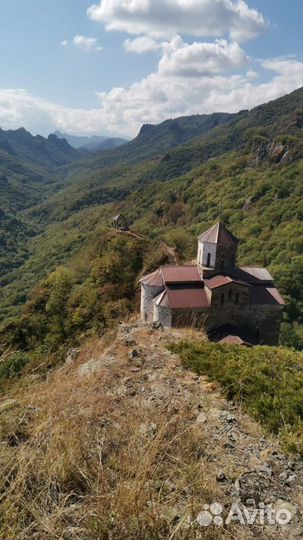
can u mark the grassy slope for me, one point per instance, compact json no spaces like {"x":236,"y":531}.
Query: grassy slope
{"x":122,"y":452}
{"x":267,"y":381}
{"x":50,"y":152}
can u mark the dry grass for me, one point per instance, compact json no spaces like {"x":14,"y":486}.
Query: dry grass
{"x":100,"y":457}
{"x":90,"y":465}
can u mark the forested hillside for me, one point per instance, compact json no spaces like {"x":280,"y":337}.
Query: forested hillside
{"x":171,"y":182}
{"x":50,"y":152}
{"x":28,"y":175}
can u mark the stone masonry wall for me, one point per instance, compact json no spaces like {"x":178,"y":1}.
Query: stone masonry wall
{"x":195,"y":318}
{"x":227,"y":254}
{"x":163,"y":315}
{"x":148,"y":294}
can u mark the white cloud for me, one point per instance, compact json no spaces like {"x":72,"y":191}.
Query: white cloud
{"x":182,"y":59}
{"x":141,"y":45}
{"x":151,"y":100}
{"x":86,"y":43}
{"x":251,"y":74}
{"x":165,"y":18}
{"x":64,"y":43}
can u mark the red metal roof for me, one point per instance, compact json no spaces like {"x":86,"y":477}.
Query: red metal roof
{"x":190,"y":297}
{"x":181,"y":274}
{"x":220,"y":281}
{"x":260,"y":274}
{"x":266,"y":295}
{"x":218,"y":234}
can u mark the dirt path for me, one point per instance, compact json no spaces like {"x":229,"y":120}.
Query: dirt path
{"x":241,"y":464}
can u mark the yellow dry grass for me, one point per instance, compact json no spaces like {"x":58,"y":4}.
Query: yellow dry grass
{"x":87,"y":466}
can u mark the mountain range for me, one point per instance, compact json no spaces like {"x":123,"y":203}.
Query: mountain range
{"x":92,"y":143}
{"x":172,"y":181}
{"x":105,"y":422}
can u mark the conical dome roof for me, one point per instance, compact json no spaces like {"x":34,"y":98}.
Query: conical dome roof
{"x":218,"y":234}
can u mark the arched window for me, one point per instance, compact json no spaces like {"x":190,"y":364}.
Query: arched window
{"x":237,"y":298}
{"x":222,"y":262}
{"x":229,"y":294}
{"x":222,"y":298}
{"x":208,"y":259}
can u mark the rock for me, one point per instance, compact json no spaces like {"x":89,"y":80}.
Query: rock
{"x":227,"y":417}
{"x":148,"y":430}
{"x":123,"y":328}
{"x":129,"y":342}
{"x":221,"y":477}
{"x":291,"y":479}
{"x":72,"y":355}
{"x":157,"y":326}
{"x":160,"y":390}
{"x":250,"y":502}
{"x":94,"y":365}
{"x":201,"y":418}
{"x":134,"y":354}
{"x":265,"y":469}
{"x":283,"y":475}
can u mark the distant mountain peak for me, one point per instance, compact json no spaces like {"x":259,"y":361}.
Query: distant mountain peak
{"x":91,"y":143}
{"x":46,"y":152}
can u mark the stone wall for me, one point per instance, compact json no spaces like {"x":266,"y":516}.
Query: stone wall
{"x":263,"y":322}
{"x":225,"y":257}
{"x":148,"y":294}
{"x":205,"y":248}
{"x":266,"y":321}
{"x":163,"y":315}
{"x":195,"y":318}
{"x":235,"y":297}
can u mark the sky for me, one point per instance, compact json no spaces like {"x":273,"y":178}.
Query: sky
{"x":108,"y":67}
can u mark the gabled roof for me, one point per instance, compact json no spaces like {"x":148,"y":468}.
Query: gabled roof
{"x":218,"y":234}
{"x":181,"y":274}
{"x":256,"y":274}
{"x":263,"y":295}
{"x":220,"y":281}
{"x":173,"y":274}
{"x":184,"y":297}
{"x":232,"y":334}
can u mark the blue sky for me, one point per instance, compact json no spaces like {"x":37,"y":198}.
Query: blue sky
{"x":65,"y":64}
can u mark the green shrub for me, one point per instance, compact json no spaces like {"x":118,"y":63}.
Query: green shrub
{"x":289,"y":337}
{"x":13,"y":365}
{"x":268,"y":381}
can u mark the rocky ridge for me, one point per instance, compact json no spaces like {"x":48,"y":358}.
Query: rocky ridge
{"x":246,"y":465}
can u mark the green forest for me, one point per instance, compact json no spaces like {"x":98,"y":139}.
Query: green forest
{"x":65,"y":274}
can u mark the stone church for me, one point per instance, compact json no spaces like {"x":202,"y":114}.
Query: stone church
{"x":233,"y":304}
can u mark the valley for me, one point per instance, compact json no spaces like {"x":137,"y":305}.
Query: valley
{"x":171,"y":182}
